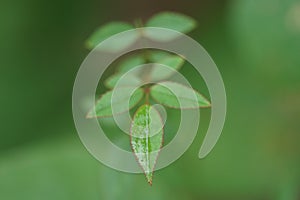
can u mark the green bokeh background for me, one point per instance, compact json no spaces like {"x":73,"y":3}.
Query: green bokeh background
{"x":256,"y":45}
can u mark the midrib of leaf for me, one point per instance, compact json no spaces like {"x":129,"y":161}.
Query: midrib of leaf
{"x":147,"y":143}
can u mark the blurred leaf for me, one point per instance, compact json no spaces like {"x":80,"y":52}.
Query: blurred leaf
{"x":173,"y":62}
{"x":126,"y":65}
{"x":103,"y":107}
{"x":127,"y":80}
{"x":147,"y":138}
{"x":131,"y":63}
{"x":155,"y":55}
{"x":170,"y":20}
{"x":175,"y":95}
{"x":108,"y":30}
{"x":157,"y":73}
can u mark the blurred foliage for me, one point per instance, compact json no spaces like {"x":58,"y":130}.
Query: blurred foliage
{"x":256,"y":47}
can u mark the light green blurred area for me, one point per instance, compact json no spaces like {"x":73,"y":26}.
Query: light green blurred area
{"x":255,"y":44}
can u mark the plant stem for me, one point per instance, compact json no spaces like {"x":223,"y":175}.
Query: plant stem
{"x":145,"y":74}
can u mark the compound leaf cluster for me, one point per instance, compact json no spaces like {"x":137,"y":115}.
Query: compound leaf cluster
{"x":147,"y":128}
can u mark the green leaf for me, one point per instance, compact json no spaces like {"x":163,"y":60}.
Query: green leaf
{"x":147,"y":138}
{"x":158,"y":72}
{"x":109,"y":30}
{"x":155,"y":55}
{"x":130,"y":63}
{"x":170,"y":20}
{"x":126,"y":65}
{"x":128,"y":80}
{"x":103,"y":107}
{"x":178,"y":96}
{"x":173,"y":62}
